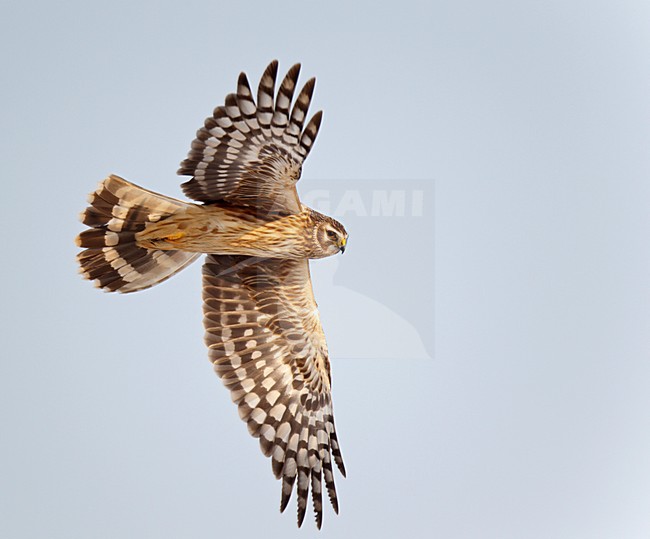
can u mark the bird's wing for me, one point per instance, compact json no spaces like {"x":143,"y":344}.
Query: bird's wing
{"x":267,"y":345}
{"x":252,"y":154}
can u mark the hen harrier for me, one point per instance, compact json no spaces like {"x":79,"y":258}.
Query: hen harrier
{"x":261,"y":321}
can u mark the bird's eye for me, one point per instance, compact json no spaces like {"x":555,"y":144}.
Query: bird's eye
{"x":332,"y":235}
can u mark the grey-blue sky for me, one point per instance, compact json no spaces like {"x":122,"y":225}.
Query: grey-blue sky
{"x":531,"y":118}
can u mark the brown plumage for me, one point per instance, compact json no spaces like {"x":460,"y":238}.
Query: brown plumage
{"x":262,"y":325}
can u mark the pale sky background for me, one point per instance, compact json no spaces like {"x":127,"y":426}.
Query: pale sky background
{"x":490,"y":359}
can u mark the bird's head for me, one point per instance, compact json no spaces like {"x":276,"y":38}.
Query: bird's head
{"x":330,"y":237}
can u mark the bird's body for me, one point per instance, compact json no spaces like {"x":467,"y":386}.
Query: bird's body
{"x":262,"y":325}
{"x":220,"y":229}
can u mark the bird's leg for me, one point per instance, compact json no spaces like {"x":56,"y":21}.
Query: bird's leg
{"x":163,"y":235}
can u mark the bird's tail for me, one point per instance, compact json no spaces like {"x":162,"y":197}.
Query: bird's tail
{"x":111,"y":257}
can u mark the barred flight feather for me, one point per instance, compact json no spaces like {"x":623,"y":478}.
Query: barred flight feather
{"x":267,"y":346}
{"x":252,"y":154}
{"x":111,"y":257}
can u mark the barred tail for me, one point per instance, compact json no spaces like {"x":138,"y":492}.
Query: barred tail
{"x":118,"y":210}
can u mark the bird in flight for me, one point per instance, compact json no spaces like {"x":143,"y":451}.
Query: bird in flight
{"x":262,"y":326}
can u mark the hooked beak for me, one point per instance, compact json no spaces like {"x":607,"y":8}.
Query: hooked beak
{"x":344,"y":241}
